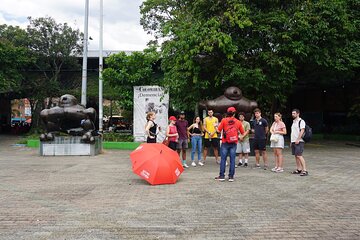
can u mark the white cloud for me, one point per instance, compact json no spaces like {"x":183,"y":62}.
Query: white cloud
{"x":121,"y":29}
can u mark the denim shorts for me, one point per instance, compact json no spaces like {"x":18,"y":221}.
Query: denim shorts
{"x":182,"y":144}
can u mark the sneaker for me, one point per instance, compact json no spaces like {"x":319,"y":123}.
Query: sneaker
{"x":274,"y":169}
{"x":201,"y":164}
{"x":245,"y":164}
{"x":193,"y":164}
{"x":221,"y":179}
{"x":231,"y":179}
{"x":236,"y":166}
{"x":185,"y":165}
{"x":257,"y":166}
{"x":279,"y":170}
{"x":240,"y":164}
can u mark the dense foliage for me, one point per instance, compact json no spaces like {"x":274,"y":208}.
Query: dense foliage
{"x":261,"y":46}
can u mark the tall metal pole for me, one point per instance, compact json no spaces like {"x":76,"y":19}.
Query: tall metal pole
{"x":85,"y":52}
{"x":101,"y":69}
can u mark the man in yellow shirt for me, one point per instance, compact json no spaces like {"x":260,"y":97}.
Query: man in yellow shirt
{"x":211,"y":136}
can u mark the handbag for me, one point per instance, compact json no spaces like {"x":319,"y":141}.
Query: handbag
{"x":274,"y":137}
{"x":166,"y":142}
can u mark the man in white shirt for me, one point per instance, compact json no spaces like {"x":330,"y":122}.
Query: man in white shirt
{"x":297,"y":143}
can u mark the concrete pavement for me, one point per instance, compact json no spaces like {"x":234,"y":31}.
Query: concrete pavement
{"x":100,"y":198}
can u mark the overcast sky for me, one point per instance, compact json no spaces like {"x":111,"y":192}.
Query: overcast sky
{"x":122,"y":30}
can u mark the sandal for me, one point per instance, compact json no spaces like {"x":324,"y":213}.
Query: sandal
{"x":304,"y":173}
{"x":296,"y":171}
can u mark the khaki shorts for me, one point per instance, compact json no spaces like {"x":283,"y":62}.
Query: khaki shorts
{"x":243,"y":147}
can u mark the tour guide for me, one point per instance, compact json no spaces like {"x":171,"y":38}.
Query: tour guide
{"x":230,"y":127}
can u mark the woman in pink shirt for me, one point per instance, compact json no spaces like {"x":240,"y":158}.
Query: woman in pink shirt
{"x":172,"y":134}
{"x":278,"y":129}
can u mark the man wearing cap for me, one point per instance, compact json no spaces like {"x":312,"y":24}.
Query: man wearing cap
{"x":181,"y":126}
{"x":230,"y":127}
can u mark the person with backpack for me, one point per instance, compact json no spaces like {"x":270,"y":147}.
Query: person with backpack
{"x":230,"y":127}
{"x":297,"y":142}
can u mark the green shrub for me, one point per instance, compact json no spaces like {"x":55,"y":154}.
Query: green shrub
{"x":117,"y":137}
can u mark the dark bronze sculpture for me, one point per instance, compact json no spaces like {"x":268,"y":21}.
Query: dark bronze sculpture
{"x":232,"y":98}
{"x":69,"y":117}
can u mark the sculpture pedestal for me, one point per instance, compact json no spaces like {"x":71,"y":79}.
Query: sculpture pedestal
{"x":70,"y":146}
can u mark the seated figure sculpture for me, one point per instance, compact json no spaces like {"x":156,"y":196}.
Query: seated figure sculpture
{"x":232,"y":98}
{"x":69,"y":117}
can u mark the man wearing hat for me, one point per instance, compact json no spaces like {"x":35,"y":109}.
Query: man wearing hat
{"x":230,"y":126}
{"x":181,"y":126}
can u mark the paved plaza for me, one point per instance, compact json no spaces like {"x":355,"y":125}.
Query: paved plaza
{"x":100,"y":198}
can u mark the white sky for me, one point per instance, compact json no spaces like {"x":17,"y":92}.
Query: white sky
{"x":121,"y":29}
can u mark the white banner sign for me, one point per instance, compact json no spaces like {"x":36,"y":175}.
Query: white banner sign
{"x":150,"y":99}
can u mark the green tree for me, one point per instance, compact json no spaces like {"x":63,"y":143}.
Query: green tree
{"x":55,"y":47}
{"x":125,"y":71}
{"x":261,"y":46}
{"x":14,"y":58}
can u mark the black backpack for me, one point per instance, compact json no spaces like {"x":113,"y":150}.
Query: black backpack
{"x":307,"y":133}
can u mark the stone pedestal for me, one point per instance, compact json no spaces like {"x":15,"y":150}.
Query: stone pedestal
{"x":70,"y":146}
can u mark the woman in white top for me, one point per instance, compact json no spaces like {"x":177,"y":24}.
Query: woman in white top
{"x":278,"y":130}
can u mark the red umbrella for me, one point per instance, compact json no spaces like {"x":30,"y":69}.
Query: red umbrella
{"x":156,"y":163}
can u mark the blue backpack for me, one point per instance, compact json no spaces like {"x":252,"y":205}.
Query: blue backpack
{"x":307,"y":133}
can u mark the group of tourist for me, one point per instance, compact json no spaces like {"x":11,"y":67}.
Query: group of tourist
{"x":235,"y":139}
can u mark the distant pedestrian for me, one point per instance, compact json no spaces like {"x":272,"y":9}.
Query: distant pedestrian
{"x":172,"y":134}
{"x":211,"y":137}
{"x":181,"y":126}
{"x":278,"y":130}
{"x":243,"y":146}
{"x":230,"y":128}
{"x":260,"y":129}
{"x":196,"y":133}
{"x":297,"y":143}
{"x":151,"y":128}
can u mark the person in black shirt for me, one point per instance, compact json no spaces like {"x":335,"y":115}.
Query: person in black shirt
{"x":151,"y":127}
{"x":260,"y":128}
{"x":196,"y":133}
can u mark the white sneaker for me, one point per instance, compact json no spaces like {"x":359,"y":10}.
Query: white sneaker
{"x":274,"y":169}
{"x":201,"y":163}
{"x":279,"y":170}
{"x":185,"y":165}
{"x":193,"y":164}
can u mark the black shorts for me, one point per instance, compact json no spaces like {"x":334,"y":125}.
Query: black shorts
{"x":214,"y":143}
{"x":173,"y":145}
{"x":260,"y":144}
{"x":151,"y":140}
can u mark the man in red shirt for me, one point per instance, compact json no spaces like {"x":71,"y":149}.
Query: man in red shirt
{"x":230,"y":127}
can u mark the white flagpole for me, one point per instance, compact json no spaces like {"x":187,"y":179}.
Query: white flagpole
{"x":85,"y":52}
{"x":101,"y":69}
